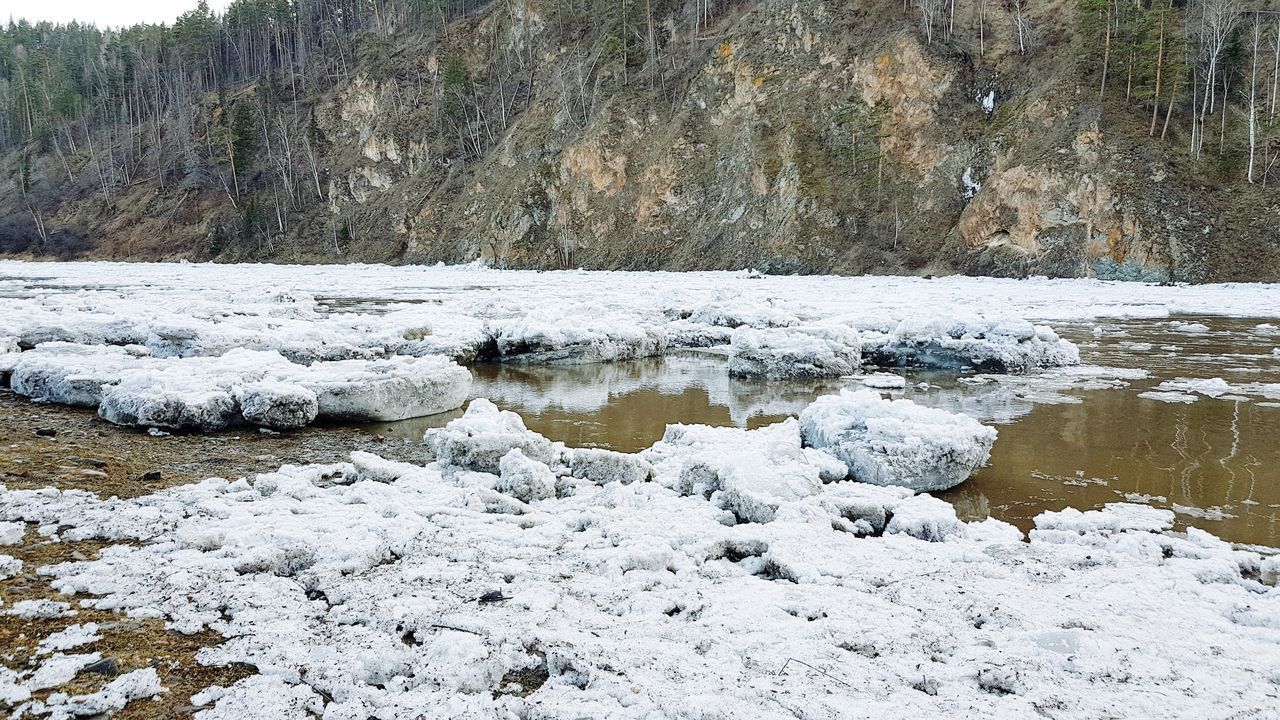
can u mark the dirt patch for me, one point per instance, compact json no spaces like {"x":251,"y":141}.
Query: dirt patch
{"x":64,"y":447}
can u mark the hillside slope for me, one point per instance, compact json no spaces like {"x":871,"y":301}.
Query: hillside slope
{"x":805,"y":136}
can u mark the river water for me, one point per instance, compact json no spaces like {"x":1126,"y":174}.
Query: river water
{"x":1080,"y":442}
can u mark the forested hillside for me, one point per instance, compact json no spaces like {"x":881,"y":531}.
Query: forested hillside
{"x":1115,"y":138}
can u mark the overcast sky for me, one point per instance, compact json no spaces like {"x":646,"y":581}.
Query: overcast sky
{"x":102,"y":13}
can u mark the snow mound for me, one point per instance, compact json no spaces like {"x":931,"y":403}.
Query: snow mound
{"x":524,"y":479}
{"x":994,"y":345}
{"x":482,"y":437}
{"x":896,"y":442}
{"x":810,"y":352}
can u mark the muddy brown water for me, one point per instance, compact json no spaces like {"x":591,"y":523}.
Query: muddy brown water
{"x":1216,"y":462}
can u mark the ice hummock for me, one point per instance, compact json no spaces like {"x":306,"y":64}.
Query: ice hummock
{"x":993,"y":345}
{"x":897,"y":442}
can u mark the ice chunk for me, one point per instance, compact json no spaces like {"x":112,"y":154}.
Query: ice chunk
{"x":896,"y":442}
{"x":1113,"y":518}
{"x":172,"y":400}
{"x":10,"y":353}
{"x":925,"y":517}
{"x":482,"y":436}
{"x":997,"y":345}
{"x":525,"y":479}
{"x":859,"y":508}
{"x":751,"y":473}
{"x":884,"y":381}
{"x":1183,"y":326}
{"x":811,"y":352}
{"x":375,"y":468}
{"x":392,"y":389}
{"x":830,"y":468}
{"x":83,"y":329}
{"x":277,"y":405}
{"x":68,"y":374}
{"x":581,"y":337}
{"x":11,"y":532}
{"x":10,"y":566}
{"x":606,"y":466}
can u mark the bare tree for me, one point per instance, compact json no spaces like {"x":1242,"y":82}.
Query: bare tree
{"x":1211,"y":33}
{"x":1253,"y":98}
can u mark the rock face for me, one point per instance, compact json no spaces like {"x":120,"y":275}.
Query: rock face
{"x":811,"y":136}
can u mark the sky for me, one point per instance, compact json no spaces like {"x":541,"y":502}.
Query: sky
{"x":103,"y":13}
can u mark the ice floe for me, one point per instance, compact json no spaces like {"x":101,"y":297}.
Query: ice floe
{"x":258,"y":387}
{"x":483,"y":436}
{"x":1188,"y":390}
{"x":813,"y":352}
{"x":897,"y":442}
{"x":1000,"y":345}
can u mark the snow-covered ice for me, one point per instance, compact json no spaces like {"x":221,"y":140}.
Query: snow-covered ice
{"x":897,"y":442}
{"x":390,"y":389}
{"x":1188,"y":390}
{"x":277,"y":405}
{"x":1000,"y":345}
{"x":809,"y":352}
{"x":525,"y":479}
{"x":260,"y":387}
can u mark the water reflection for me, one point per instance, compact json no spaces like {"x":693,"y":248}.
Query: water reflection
{"x":1080,"y":437}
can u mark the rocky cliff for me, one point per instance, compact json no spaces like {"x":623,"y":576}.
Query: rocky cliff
{"x":803,"y":137}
